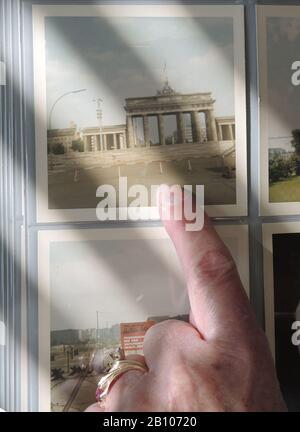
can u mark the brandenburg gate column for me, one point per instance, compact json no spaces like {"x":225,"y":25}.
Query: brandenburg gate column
{"x":101,"y":138}
{"x":196,"y":128}
{"x":211,"y":128}
{"x":104,"y":142}
{"x":180,"y":127}
{"x":146,"y":130}
{"x":161,"y":129}
{"x":122,"y":141}
{"x":129,"y":128}
{"x":95,"y":142}
{"x":115,"y":141}
{"x":85,"y":143}
{"x":98,"y":143}
{"x":231,"y":133}
{"x":220,"y":133}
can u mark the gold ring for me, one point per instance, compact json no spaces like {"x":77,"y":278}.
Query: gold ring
{"x":118,"y":368}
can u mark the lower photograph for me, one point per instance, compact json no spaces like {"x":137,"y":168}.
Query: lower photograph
{"x":99,"y":291}
{"x":282,"y":304}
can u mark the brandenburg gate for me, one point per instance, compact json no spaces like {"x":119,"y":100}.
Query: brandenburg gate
{"x":167,"y":102}
{"x":151,"y":113}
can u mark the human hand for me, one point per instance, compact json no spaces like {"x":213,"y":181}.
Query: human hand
{"x":220,"y":361}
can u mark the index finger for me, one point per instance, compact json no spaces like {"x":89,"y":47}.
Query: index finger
{"x":219,"y":305}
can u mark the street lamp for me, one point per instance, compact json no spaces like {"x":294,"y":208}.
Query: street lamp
{"x":98,"y":339}
{"x":58,"y":99}
{"x":99,"y":117}
{"x":97,"y":336}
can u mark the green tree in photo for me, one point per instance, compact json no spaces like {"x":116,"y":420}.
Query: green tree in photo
{"x":296,"y":144}
{"x":296,"y":141}
{"x":291,"y":165}
{"x":281,"y":167}
{"x":276,"y":169}
{"x":58,"y":148}
{"x":77,"y":145}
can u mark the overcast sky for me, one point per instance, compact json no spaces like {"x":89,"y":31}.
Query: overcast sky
{"x":124,"y":57}
{"x":283,"y":42}
{"x":126,"y":280}
{"x":117,"y":278}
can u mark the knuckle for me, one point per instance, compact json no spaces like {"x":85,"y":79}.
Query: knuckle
{"x":165,"y":330}
{"x":168,"y":333}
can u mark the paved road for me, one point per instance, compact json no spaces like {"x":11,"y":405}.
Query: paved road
{"x":76,"y":188}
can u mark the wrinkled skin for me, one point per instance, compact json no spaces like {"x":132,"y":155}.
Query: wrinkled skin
{"x":220,"y":361}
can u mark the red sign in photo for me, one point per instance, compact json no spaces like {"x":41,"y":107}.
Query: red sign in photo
{"x":132,"y":335}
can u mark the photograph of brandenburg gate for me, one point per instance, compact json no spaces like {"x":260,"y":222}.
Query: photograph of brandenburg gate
{"x":155,"y":110}
{"x":168,"y":137}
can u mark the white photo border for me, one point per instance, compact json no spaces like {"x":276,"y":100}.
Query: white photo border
{"x":43,"y":213}
{"x":45,"y":237}
{"x":263,"y":12}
